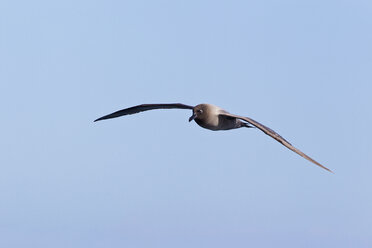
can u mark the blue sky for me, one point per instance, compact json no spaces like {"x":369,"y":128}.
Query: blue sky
{"x":302,"y":68}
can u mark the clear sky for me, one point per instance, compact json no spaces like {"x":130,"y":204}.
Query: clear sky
{"x":303,"y":68}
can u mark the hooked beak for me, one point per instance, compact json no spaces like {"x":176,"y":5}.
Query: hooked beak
{"x":192,"y":117}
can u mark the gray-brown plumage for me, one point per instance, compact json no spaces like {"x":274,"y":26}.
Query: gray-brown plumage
{"x":213,"y":118}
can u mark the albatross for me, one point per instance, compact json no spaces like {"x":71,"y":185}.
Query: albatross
{"x":213,"y":118}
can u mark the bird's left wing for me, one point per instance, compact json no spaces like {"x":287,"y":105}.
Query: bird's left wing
{"x":276,"y":136}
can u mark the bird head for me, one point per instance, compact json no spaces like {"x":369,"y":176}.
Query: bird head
{"x":198,"y":112}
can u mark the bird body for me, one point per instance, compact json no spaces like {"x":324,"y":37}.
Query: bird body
{"x":213,"y":118}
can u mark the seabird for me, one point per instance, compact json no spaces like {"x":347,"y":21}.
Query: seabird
{"x":213,"y":118}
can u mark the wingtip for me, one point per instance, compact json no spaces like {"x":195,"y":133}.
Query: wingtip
{"x":331,"y":171}
{"x":326,"y":169}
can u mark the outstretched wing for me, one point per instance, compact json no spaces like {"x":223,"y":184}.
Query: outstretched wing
{"x":144,"y":107}
{"x":276,"y":136}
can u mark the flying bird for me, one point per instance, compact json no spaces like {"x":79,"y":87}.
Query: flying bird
{"x":213,"y":118}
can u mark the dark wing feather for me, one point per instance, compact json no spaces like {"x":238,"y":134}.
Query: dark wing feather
{"x":144,"y":107}
{"x":276,"y":136}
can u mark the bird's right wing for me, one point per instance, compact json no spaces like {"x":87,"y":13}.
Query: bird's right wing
{"x":144,"y":107}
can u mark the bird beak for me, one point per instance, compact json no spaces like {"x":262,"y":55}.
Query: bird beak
{"x":192,"y":117}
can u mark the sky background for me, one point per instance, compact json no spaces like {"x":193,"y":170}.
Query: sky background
{"x":303,"y":68}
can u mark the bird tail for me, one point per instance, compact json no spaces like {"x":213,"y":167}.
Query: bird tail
{"x":243,"y":124}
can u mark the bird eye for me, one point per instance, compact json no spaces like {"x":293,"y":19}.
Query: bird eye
{"x":200,"y":111}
